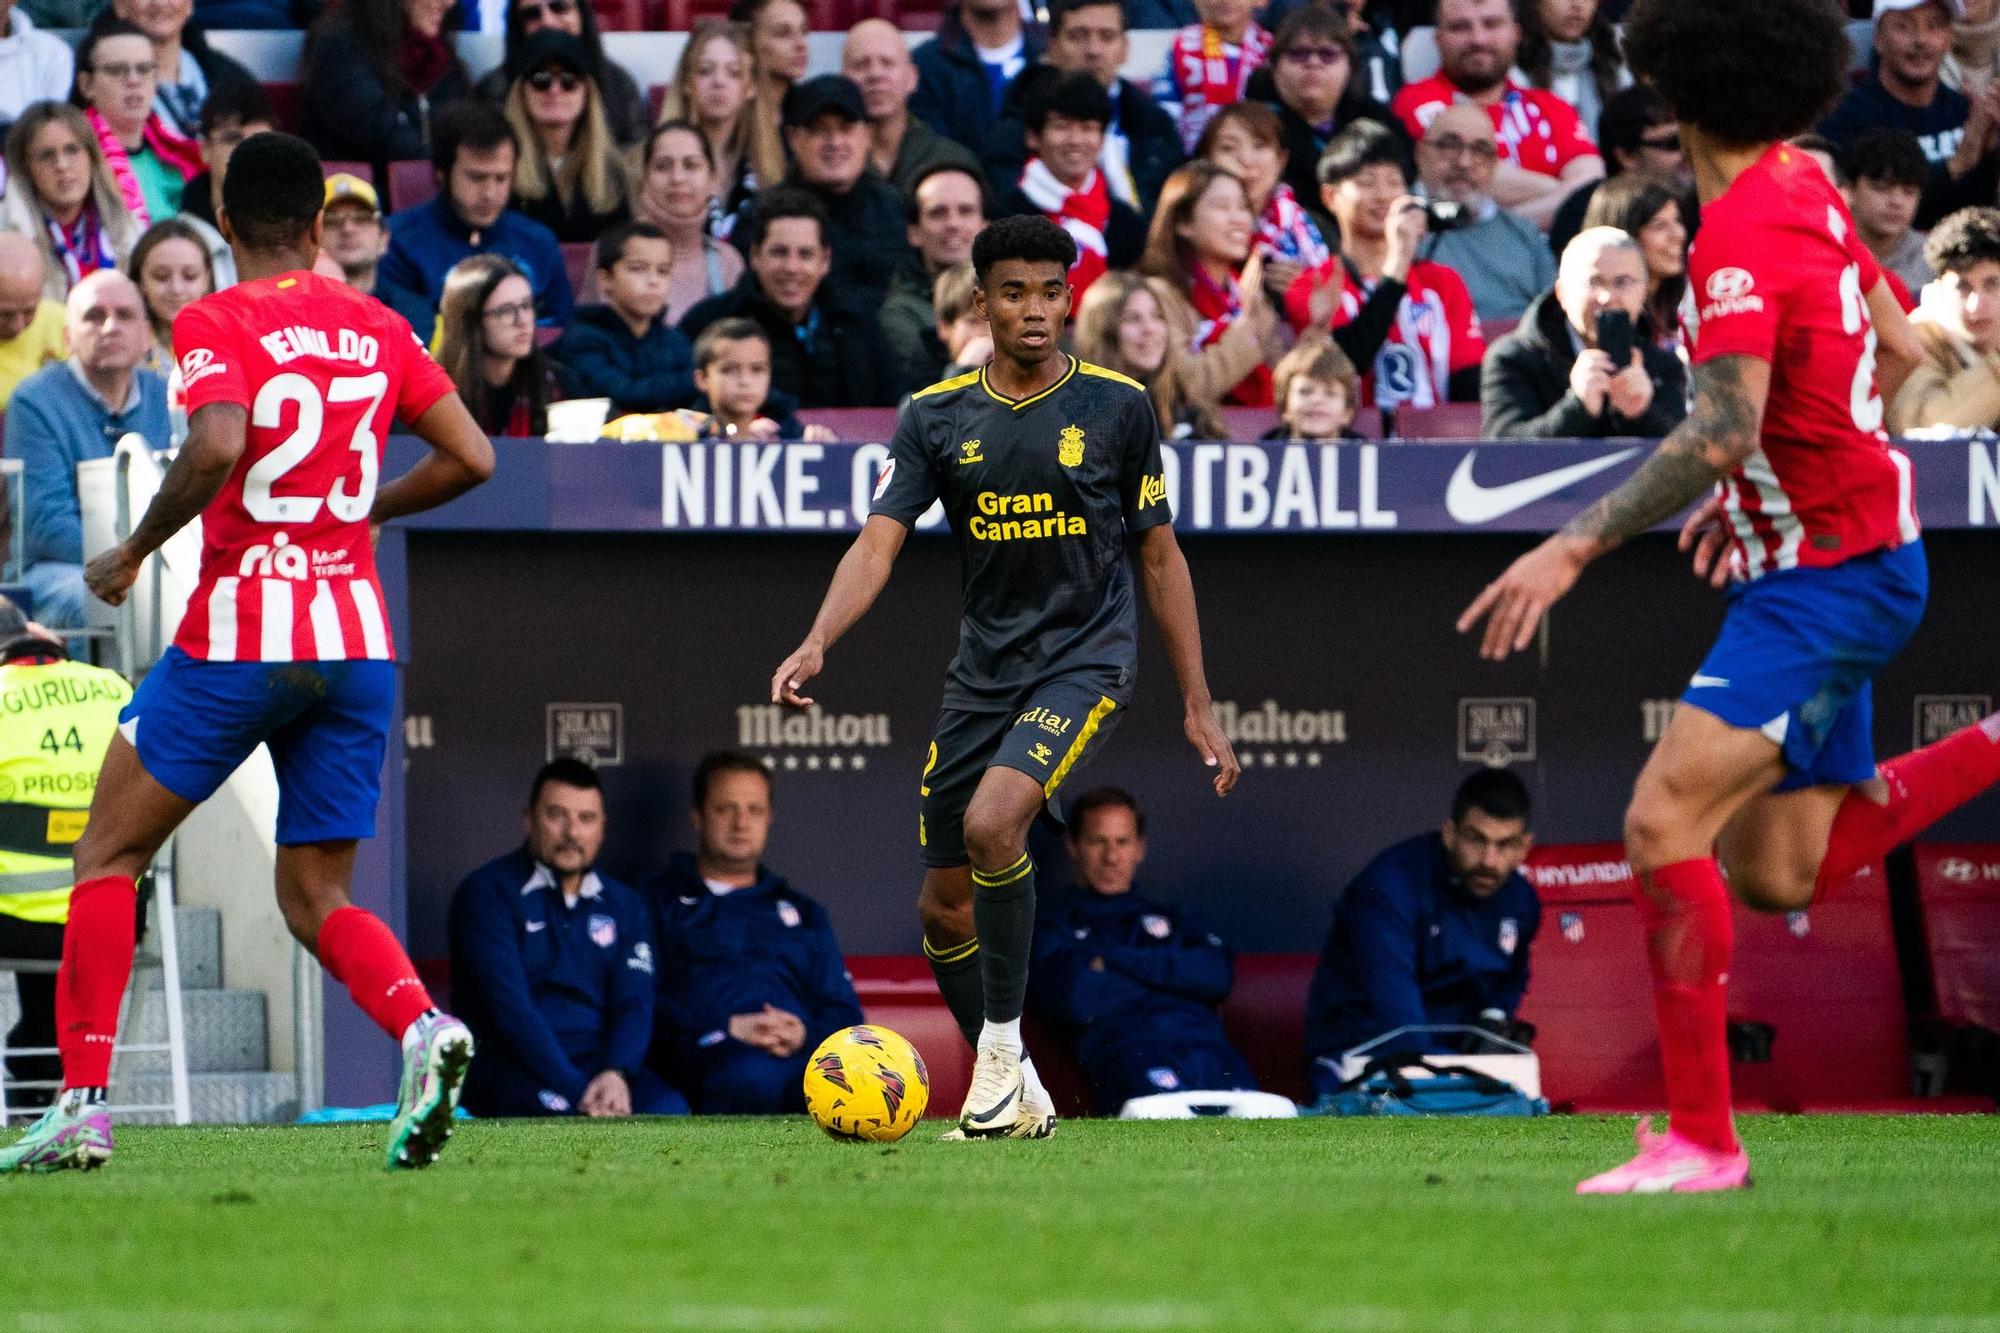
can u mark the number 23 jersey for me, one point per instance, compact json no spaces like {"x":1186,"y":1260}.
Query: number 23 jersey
{"x":287,"y":568}
{"x":1778,"y":273}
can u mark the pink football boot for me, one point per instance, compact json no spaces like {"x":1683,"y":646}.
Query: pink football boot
{"x":1668,"y":1163}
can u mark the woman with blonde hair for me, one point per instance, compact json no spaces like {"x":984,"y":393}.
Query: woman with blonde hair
{"x":1140,"y":327}
{"x":61,"y":192}
{"x":569,"y":175}
{"x":486,"y":329}
{"x":1200,"y":245}
{"x":716,"y":88}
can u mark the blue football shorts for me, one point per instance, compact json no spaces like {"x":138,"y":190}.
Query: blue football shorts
{"x":1798,"y":651}
{"x":327,"y":723}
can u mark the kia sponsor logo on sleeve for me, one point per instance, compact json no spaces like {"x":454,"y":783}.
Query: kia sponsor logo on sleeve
{"x":1731,"y":291}
{"x":1496,"y":732}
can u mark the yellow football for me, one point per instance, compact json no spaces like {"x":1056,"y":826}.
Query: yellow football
{"x":868,"y":1084}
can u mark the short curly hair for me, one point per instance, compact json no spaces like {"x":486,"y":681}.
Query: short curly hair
{"x":1028,"y":236}
{"x":1967,"y":237}
{"x":1743,"y":73}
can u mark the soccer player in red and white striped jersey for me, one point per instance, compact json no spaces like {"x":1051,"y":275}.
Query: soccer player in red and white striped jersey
{"x":293,"y":382}
{"x":1769,"y":765}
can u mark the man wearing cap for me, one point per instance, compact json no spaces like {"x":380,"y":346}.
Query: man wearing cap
{"x":827,"y":136}
{"x":351,"y":229}
{"x":1904,"y":92}
{"x":56,"y":721}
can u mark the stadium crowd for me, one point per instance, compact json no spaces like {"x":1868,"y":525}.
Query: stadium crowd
{"x":708,"y":984}
{"x":1276,"y":221}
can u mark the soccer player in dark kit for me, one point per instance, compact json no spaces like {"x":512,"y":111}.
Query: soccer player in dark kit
{"x":1046,"y":466}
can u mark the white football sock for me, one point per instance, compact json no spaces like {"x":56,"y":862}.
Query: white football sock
{"x":1005,"y":1036}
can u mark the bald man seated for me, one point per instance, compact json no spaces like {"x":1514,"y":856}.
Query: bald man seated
{"x":902,"y":148}
{"x":75,"y":410}
{"x":1584,"y":361}
{"x":31,"y":327}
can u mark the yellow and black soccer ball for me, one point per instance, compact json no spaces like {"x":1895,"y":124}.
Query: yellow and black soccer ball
{"x":868,"y":1084}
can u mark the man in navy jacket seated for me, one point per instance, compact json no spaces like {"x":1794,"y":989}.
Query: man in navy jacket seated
{"x":751,"y":978}
{"x":1132,"y":981}
{"x":1435,"y":930}
{"x":552,"y":968}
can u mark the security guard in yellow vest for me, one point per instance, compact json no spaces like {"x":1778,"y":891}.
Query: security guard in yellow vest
{"x":57,"y":718}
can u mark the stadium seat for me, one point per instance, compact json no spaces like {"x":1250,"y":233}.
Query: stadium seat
{"x":411,"y":183}
{"x":1246,"y":423}
{"x":582,"y":278}
{"x":1420,"y":54}
{"x":1265,"y":1016}
{"x":620,"y":15}
{"x":1958,"y":885}
{"x":1446,"y":421}
{"x":656,"y":101}
{"x":331,"y":167}
{"x":287,"y":105}
{"x":898,"y":992}
{"x":856,"y":425}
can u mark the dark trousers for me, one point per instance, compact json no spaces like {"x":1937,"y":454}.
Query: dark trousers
{"x":498,"y":1087}
{"x":735,"y":1079}
{"x":1146,"y":1065}
{"x":37,"y":1025}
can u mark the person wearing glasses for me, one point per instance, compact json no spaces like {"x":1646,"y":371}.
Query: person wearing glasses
{"x":1640,"y":138}
{"x":1311,"y":83}
{"x":116,"y":77}
{"x":1504,"y":260}
{"x":1435,"y":930}
{"x":189,"y":69}
{"x":489,"y":348}
{"x":60,"y":192}
{"x":569,"y":176}
{"x":1657,"y":218}
{"x":624,"y":105}
{"x":351,"y":230}
{"x":376,"y":74}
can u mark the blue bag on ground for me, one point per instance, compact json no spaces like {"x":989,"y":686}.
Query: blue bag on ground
{"x":1383,"y":1088}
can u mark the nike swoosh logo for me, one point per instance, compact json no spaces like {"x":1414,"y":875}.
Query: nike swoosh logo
{"x":534,"y":926}
{"x":993,"y":1115}
{"x":1472,"y":504}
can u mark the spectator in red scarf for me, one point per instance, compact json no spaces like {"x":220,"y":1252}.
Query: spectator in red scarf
{"x":1407,"y":323}
{"x":1244,"y":140}
{"x":117,"y":74}
{"x":61,"y":194}
{"x":1209,"y":65}
{"x":488,"y":347}
{"x":376,"y":72}
{"x":1065,"y":116}
{"x":1200,"y":245}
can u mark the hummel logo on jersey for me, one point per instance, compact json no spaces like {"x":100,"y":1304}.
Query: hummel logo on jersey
{"x":969,"y":453}
{"x":1470,"y":503}
{"x":1041,"y":754}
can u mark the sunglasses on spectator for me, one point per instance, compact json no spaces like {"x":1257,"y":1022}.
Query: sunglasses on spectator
{"x":1316,"y":55}
{"x":521,"y":312}
{"x":551,"y":8}
{"x":1665,"y":143}
{"x":544,"y":79}
{"x":121,"y":70}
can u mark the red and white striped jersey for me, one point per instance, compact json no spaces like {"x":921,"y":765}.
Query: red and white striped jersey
{"x":287,"y":568}
{"x":1779,"y":274}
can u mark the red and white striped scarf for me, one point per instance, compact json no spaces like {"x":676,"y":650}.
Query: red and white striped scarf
{"x":1287,"y":232}
{"x":1207,"y":84}
{"x":1083,"y":213}
{"x":1220,"y":305}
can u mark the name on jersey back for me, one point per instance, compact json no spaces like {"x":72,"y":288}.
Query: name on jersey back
{"x":297,"y":340}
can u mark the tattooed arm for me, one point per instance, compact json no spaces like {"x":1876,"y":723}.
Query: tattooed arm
{"x":1719,"y":433}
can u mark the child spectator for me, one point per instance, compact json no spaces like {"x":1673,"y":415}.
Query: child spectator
{"x":625,"y":350}
{"x":1317,"y":390}
{"x":962,"y":331}
{"x":1209,"y":65}
{"x":732,"y":369}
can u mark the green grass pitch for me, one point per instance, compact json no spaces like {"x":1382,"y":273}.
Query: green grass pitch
{"x":1856,"y":1223}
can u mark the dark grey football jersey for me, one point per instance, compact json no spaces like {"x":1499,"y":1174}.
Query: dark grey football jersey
{"x":1042,"y":494}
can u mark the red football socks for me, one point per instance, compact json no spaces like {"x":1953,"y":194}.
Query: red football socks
{"x":1924,"y":786}
{"x":1688,"y":942}
{"x":365,"y":956}
{"x":96,"y":963}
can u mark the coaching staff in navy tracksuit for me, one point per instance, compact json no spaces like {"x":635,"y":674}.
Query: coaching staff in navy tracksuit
{"x":552,"y":968}
{"x":751,"y":978}
{"x":1132,"y":981}
{"x":1435,"y":930}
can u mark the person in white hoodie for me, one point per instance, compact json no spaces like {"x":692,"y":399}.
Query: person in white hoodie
{"x":35,"y":66}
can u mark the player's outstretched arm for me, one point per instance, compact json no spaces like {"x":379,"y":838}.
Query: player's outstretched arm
{"x":460,"y":458}
{"x":1170,"y":592}
{"x":862,"y":574}
{"x":1719,"y":433}
{"x":215,"y":440}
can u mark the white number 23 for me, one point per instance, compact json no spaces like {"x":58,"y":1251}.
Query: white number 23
{"x":267,"y":413}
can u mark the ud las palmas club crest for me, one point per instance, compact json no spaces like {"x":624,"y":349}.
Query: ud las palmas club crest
{"x":1069,"y":446}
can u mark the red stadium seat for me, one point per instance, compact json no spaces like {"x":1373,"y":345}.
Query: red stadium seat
{"x":856,"y":425}
{"x":1265,"y":1016}
{"x":1246,"y":423}
{"x":287,"y":105}
{"x":898,"y":993}
{"x":582,"y":278}
{"x":656,"y":101}
{"x":620,"y":15}
{"x":331,"y":167}
{"x":1446,"y":421}
{"x":1958,"y":885}
{"x":411,"y":183}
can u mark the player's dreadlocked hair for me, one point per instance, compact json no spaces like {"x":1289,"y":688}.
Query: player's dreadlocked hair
{"x":1029,"y":237}
{"x":1746,"y":73}
{"x":1964,"y":239}
{"x":273,"y":190}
